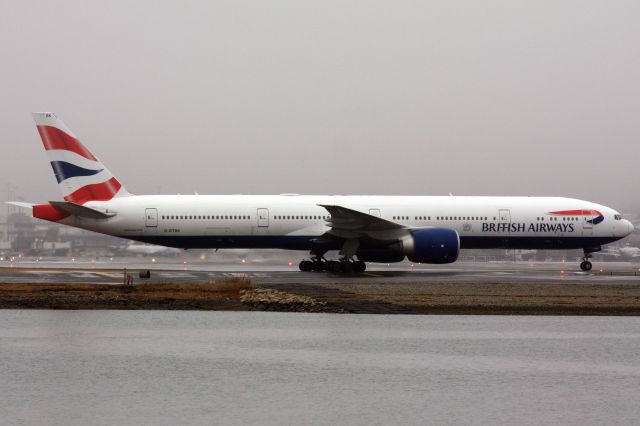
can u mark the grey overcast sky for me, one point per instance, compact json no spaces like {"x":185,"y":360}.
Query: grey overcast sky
{"x":344,"y":97}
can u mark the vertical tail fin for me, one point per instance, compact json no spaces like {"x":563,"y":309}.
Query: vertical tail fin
{"x":81,"y":176}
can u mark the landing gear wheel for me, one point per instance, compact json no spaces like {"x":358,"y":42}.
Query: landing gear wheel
{"x":333,"y":266}
{"x":359,"y":266}
{"x":346,"y":266}
{"x":319,"y":265}
{"x":306,"y":266}
{"x":586,"y":265}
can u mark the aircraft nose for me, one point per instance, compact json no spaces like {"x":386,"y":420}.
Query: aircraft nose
{"x":630,"y":226}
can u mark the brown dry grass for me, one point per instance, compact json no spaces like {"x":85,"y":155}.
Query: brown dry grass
{"x":222,"y":293}
{"x":188,"y":290}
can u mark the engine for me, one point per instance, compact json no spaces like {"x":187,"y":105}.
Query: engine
{"x":431,"y":245}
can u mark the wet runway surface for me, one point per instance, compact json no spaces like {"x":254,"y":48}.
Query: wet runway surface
{"x":463,"y":272}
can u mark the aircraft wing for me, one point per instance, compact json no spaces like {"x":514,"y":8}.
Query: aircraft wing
{"x":349,"y":223}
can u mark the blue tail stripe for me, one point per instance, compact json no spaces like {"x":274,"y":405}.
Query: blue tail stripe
{"x":64,"y":170}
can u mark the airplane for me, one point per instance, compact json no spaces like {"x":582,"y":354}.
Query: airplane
{"x":383,"y":229}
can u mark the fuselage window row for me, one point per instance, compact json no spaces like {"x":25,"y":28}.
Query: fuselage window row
{"x":217,"y":217}
{"x":315,"y":217}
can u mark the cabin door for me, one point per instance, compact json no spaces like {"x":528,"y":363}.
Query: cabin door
{"x":151,"y":218}
{"x":263,"y":218}
{"x":504,"y":215}
{"x":375,"y":212}
{"x":586,"y":217}
{"x":587,"y":227}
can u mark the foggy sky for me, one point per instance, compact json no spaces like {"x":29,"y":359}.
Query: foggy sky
{"x":314,"y":97}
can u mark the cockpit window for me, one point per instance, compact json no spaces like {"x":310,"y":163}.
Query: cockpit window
{"x":617,"y":216}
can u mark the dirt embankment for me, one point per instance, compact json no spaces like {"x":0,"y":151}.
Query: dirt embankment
{"x":239,"y":294}
{"x":232,"y":294}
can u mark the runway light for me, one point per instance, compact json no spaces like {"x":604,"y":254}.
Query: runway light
{"x":244,"y":261}
{"x":73,"y":259}
{"x":290,"y":263}
{"x":561,"y":272}
{"x":184,"y":261}
{"x":153,"y":260}
{"x":601,"y":270}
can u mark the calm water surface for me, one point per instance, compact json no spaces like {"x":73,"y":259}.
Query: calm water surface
{"x":163,"y":367}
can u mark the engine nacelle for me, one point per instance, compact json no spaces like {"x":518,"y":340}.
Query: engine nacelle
{"x":432,"y":245}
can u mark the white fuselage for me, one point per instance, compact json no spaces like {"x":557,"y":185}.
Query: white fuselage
{"x":294,"y":221}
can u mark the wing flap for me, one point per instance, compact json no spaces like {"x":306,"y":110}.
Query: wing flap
{"x":349,"y":224}
{"x":343,"y":218}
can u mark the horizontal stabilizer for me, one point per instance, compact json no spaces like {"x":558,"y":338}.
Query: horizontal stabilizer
{"x":82,"y":211}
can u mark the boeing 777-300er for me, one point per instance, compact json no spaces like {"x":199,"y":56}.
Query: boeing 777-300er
{"x":423,"y":229}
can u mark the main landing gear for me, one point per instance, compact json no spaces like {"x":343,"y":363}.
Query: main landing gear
{"x":345,"y":265}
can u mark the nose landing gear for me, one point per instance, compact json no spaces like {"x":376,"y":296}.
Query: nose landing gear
{"x":586,"y":264}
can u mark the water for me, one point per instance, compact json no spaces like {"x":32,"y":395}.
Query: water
{"x":165,"y":367}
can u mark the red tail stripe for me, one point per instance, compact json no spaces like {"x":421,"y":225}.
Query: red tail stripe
{"x":97,"y":192}
{"x":577,"y":213}
{"x":54,"y":138}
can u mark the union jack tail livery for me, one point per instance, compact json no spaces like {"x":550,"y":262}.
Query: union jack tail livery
{"x":80,"y":175}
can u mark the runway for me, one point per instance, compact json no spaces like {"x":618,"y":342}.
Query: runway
{"x":273,"y":275}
